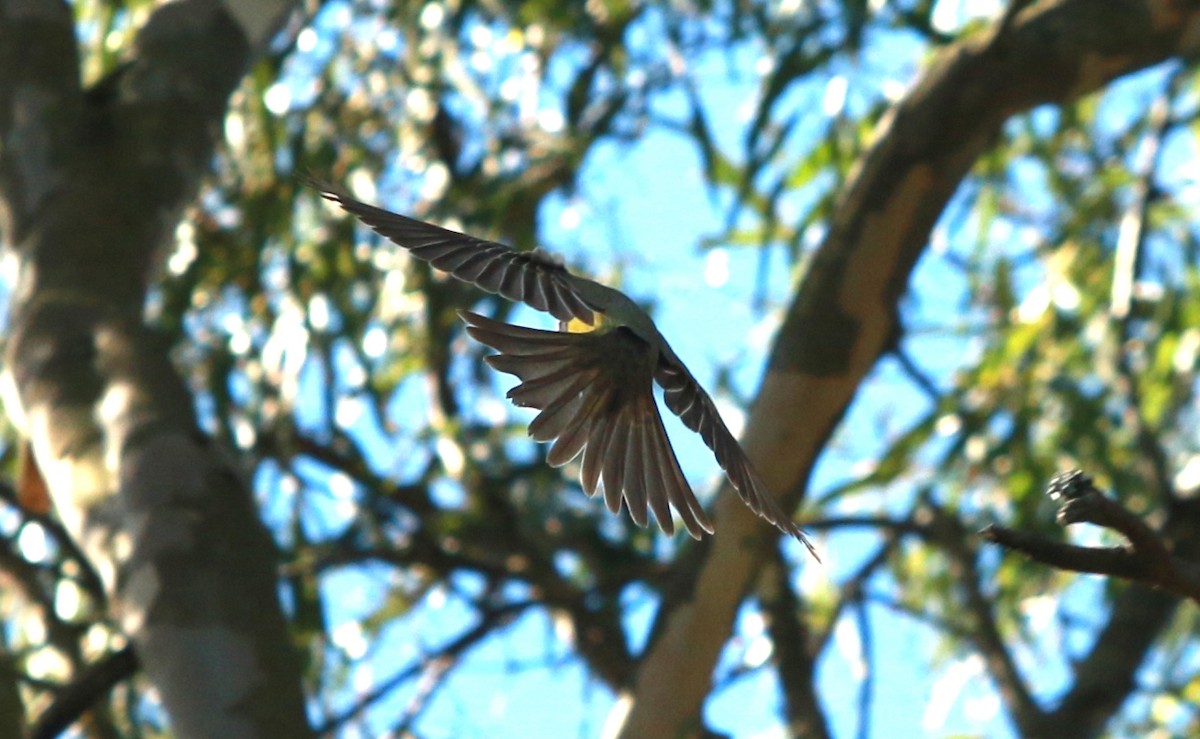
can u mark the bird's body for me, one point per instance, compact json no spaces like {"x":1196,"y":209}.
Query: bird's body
{"x":594,"y":389}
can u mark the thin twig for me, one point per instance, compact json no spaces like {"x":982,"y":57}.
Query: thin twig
{"x":438,"y":662}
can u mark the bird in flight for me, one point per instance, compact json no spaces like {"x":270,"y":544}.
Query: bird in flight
{"x":594,"y":388}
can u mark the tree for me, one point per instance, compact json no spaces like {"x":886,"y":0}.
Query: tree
{"x":197,"y":345}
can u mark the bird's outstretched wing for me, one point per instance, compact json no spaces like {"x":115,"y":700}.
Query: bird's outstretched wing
{"x":593,"y":389}
{"x":531,"y":277}
{"x":686,"y":399}
{"x":596,"y":397}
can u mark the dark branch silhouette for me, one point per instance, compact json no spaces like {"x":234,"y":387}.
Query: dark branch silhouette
{"x":1147,"y":557}
{"x":84,"y":692}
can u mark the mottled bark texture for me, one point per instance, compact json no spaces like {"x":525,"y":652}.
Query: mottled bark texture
{"x":844,"y":315}
{"x":92,"y":184}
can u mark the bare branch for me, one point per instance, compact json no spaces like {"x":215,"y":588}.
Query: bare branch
{"x":955,"y":541}
{"x":1148,"y":558}
{"x":1129,"y":263}
{"x":796,"y":651}
{"x":83,"y":692}
{"x":436,"y":664}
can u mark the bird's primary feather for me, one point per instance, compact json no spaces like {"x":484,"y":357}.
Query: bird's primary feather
{"x":685,"y":398}
{"x":531,"y":277}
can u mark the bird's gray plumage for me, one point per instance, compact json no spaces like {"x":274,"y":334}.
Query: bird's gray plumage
{"x":594,"y":389}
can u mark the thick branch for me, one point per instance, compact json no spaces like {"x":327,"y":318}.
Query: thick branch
{"x":1105,"y":678}
{"x":40,"y":105}
{"x":166,"y":518}
{"x":844,"y":315}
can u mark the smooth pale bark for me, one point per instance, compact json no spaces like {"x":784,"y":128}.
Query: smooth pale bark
{"x":92,"y":183}
{"x":844,"y":315}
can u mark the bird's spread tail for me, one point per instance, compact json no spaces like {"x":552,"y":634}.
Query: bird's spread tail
{"x":596,"y":399}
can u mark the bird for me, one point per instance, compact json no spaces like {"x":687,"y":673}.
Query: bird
{"x":592,"y":380}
